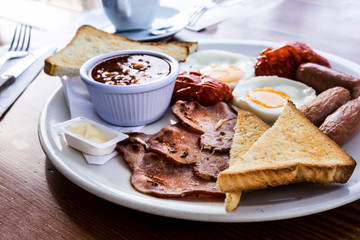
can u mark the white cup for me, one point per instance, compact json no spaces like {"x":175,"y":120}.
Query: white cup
{"x":131,"y":14}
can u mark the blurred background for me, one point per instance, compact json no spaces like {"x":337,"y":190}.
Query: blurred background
{"x":255,"y":19}
{"x":43,"y":15}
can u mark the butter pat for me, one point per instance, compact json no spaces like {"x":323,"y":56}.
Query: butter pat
{"x":89,"y":136}
{"x":87,"y":131}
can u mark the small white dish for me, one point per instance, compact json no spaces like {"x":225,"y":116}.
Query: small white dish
{"x":133,"y":104}
{"x":86,"y":146}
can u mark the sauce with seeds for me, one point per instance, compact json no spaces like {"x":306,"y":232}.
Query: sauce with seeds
{"x":131,"y":69}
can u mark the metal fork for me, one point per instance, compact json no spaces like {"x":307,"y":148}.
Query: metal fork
{"x":20,"y":43}
{"x":177,"y":22}
{"x":212,"y":4}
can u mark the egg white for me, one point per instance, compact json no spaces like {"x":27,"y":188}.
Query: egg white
{"x":298,"y":92}
{"x":205,"y":58}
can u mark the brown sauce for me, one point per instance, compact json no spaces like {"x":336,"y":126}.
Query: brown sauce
{"x":132,"y":69}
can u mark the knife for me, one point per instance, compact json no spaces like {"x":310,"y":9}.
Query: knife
{"x":8,"y":77}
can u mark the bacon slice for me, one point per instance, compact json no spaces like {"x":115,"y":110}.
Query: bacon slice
{"x":216,"y":123}
{"x":160,"y":177}
{"x":157,"y":176}
{"x":139,"y":137}
{"x":176,"y":143}
{"x":211,"y":164}
{"x":183,"y":159}
{"x":180,"y":145}
{"x":219,"y":139}
{"x":133,"y":153}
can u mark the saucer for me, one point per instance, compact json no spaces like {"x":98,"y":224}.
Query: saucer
{"x":144,"y":35}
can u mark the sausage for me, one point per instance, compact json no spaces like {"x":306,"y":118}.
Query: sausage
{"x":194,"y":86}
{"x":283,"y":59}
{"x":322,"y":78}
{"x":344,"y":123}
{"x":325,"y":104}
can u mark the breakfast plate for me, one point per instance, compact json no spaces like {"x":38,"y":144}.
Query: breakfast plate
{"x":111,"y":180}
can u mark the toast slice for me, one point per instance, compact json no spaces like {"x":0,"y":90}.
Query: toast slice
{"x":247,"y":130}
{"x":89,"y":42}
{"x":293,"y":150}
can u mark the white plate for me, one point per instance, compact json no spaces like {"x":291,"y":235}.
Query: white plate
{"x":144,"y":35}
{"x":111,"y":181}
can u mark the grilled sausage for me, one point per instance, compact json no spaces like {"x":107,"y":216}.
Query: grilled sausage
{"x":322,"y":78}
{"x":194,"y":86}
{"x":344,"y":123}
{"x":283,"y":59}
{"x":325,"y":104}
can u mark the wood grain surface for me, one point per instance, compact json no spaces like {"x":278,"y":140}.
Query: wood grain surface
{"x":38,"y":202}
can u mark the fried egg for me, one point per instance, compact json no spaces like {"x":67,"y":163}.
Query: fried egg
{"x":225,"y":66}
{"x":266,"y":96}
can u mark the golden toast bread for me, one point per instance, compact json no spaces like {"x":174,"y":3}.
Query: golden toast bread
{"x":247,"y":130}
{"x":293,"y":150}
{"x":89,"y":42}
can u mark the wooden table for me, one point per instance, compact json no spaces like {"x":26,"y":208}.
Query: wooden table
{"x":38,"y":202}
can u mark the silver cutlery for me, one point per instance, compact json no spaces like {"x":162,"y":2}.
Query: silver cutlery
{"x":187,"y":19}
{"x":177,"y":22}
{"x":213,"y":4}
{"x":9,"y":76}
{"x":20,"y":43}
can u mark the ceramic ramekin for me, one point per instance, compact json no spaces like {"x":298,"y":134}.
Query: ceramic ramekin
{"x":130,"y":105}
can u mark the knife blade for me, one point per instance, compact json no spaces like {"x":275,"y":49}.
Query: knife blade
{"x":10,"y":75}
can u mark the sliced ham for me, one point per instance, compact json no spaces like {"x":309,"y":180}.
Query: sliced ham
{"x":211,"y":164}
{"x":160,"y":177}
{"x":180,"y":145}
{"x":177,"y":143}
{"x":133,"y":153}
{"x":220,"y":138}
{"x":183,"y":159}
{"x":215,"y":123}
{"x":140,"y":137}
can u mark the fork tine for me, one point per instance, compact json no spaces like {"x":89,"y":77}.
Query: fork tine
{"x":26,"y":38}
{"x":19,"y":36}
{"x":24,"y":27}
{"x":21,"y":39}
{"x":13,"y":40}
{"x":29,"y":38}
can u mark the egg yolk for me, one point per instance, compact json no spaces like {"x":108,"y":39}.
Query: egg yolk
{"x":268,"y":97}
{"x":225,"y":73}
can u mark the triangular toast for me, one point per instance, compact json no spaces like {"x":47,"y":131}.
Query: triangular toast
{"x":247,"y":130}
{"x":293,"y":150}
